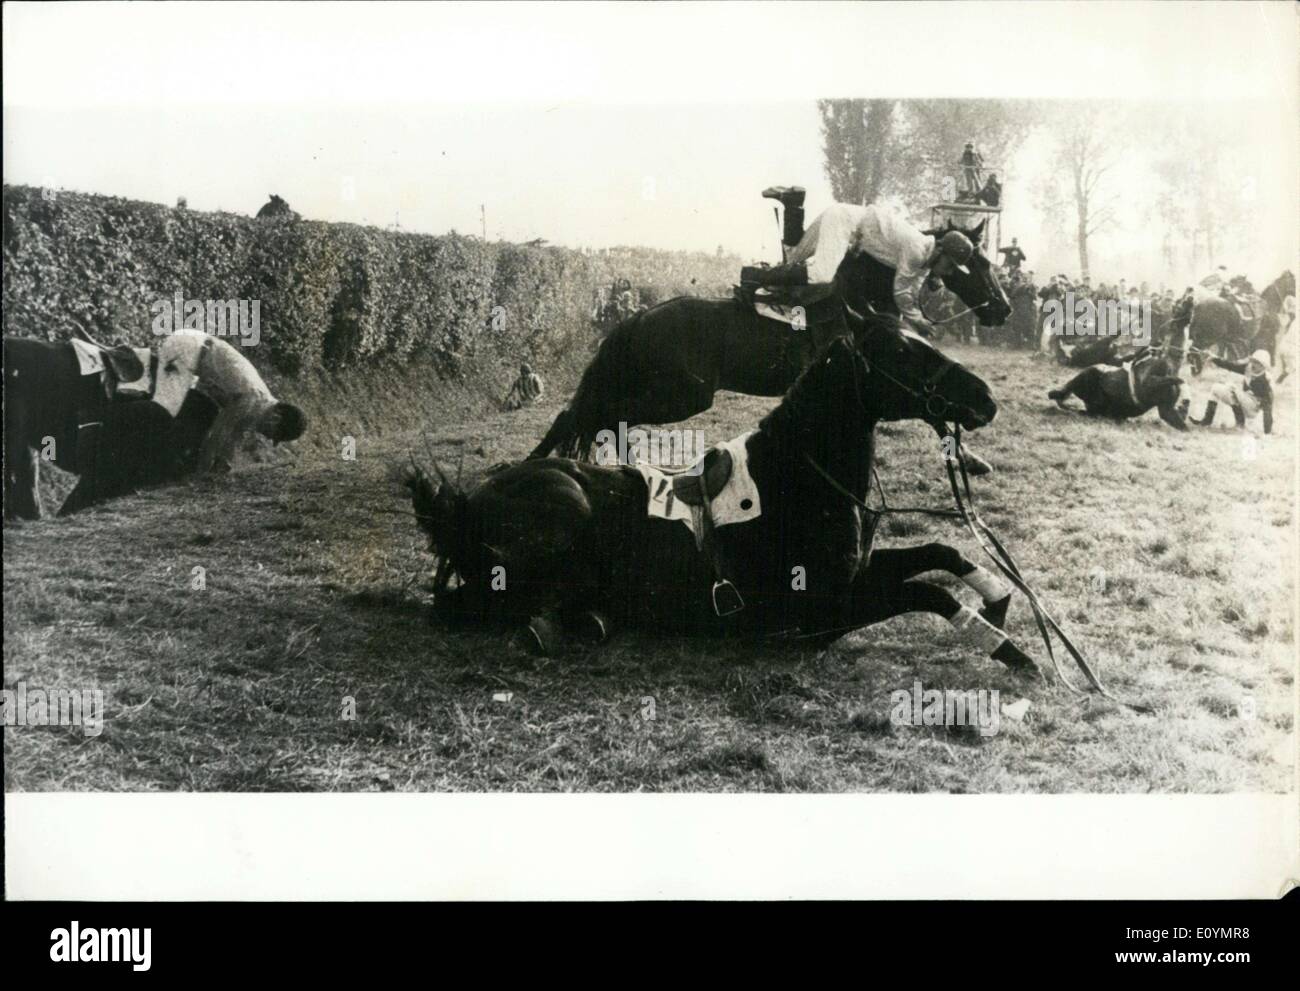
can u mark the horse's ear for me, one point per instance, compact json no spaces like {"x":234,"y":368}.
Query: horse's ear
{"x":977,"y":232}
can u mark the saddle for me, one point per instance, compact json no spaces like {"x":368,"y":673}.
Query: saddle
{"x":814,"y":305}
{"x":698,"y":490}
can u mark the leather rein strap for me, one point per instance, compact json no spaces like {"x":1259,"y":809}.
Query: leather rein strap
{"x":1007,"y":565}
{"x":997,"y":552}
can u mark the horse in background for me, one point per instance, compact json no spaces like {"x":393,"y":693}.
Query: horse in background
{"x":1213,"y":324}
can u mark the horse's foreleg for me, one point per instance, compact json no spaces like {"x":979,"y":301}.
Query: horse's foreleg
{"x":1059,"y":396}
{"x":1169,"y":408}
{"x":874,"y":604}
{"x":561,"y":435}
{"x":22,"y":484}
{"x":897,"y":564}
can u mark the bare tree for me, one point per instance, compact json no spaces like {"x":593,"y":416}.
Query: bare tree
{"x":1084,"y":155}
{"x":857,"y":139}
{"x":903,"y":148}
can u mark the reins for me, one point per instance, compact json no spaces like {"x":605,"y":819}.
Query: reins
{"x":965,"y":510}
{"x":1007,"y":565}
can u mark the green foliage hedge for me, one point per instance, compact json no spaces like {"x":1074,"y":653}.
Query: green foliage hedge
{"x":333,"y":296}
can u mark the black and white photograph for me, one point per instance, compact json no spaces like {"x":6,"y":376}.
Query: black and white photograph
{"x":524,"y":424}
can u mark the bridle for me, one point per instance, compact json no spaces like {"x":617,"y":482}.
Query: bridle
{"x":937,"y":406}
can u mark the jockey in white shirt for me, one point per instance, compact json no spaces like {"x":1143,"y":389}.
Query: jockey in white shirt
{"x":888,"y":237}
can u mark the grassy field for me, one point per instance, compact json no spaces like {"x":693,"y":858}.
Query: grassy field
{"x":1169,"y":557}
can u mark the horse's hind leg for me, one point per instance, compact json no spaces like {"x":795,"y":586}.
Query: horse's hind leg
{"x":1076,"y":385}
{"x":898,"y":564}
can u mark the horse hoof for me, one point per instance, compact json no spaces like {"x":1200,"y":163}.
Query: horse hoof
{"x":976,"y":466}
{"x":1017,"y":660}
{"x":541,"y":636}
{"x":995,"y":613}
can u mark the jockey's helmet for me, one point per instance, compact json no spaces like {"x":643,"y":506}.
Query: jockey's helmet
{"x":956,"y":247}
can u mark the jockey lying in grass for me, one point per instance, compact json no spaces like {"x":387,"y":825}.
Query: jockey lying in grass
{"x":1252,"y":395}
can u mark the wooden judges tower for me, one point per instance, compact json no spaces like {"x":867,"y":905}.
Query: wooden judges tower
{"x":966,"y":207}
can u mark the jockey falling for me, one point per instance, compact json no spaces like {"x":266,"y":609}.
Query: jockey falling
{"x":917,"y":259}
{"x":1253,"y":394}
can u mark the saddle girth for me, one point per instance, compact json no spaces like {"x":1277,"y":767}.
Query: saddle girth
{"x":698,"y":492}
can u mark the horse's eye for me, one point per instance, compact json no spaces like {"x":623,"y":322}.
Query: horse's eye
{"x":171,"y":367}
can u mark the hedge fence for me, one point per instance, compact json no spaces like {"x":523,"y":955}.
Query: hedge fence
{"x":334,"y":297}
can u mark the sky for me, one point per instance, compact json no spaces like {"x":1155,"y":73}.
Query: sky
{"x":589,"y":125}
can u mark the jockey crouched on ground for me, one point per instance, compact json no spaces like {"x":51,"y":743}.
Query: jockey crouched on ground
{"x":815,"y":255}
{"x":526,"y":390}
{"x":1248,"y":397}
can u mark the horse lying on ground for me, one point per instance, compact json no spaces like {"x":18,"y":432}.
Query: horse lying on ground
{"x":574,"y":544}
{"x":1149,"y":380}
{"x":665,"y":364}
{"x":62,"y":399}
{"x":140,"y":446}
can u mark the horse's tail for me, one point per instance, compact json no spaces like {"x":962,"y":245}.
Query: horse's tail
{"x":596,"y":399}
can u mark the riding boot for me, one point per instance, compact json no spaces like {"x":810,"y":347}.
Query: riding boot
{"x":787,"y":196}
{"x":791,"y":198}
{"x":792,"y":232}
{"x":1239,"y":415}
{"x":1207,"y":418}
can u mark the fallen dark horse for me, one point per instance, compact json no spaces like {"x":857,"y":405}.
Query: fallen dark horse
{"x":141,"y":445}
{"x":572,"y":541}
{"x":1149,"y":380}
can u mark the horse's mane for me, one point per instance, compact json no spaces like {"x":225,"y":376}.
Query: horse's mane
{"x":814,"y":405}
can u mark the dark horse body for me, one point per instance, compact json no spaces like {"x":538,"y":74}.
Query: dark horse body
{"x":665,"y":364}
{"x":1150,"y":381}
{"x":1215,"y":325}
{"x":568,"y":536}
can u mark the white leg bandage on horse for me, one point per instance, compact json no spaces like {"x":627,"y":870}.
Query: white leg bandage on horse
{"x":974,"y":629}
{"x":987,"y":585}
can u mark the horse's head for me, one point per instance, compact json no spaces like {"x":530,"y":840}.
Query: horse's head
{"x":978,"y":287}
{"x":1276,"y":292}
{"x":911,"y":379}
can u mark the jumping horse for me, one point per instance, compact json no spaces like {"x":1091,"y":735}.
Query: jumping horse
{"x":664,"y":364}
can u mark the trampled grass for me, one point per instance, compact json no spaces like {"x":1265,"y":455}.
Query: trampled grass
{"x":1169,"y":557}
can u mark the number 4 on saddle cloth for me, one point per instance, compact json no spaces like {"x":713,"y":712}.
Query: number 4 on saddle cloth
{"x":716,"y":491}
